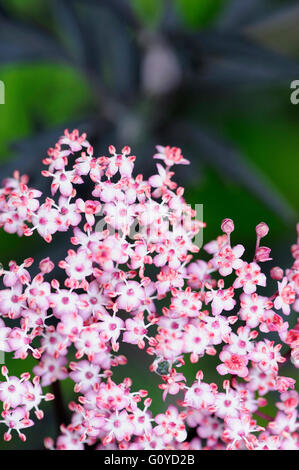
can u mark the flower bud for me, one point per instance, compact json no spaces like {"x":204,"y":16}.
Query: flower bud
{"x":227,"y":226}
{"x":276,"y":273}
{"x":46,"y":265}
{"x":262,"y":230}
{"x":48,"y":443}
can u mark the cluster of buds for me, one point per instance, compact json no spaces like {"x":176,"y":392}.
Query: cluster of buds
{"x":130,"y":276}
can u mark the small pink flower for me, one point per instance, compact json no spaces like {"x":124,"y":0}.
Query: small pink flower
{"x":228,"y":259}
{"x":171,"y":155}
{"x":185,"y":303}
{"x":267,"y":355}
{"x":77,"y":265}
{"x":252,"y":309}
{"x":17,"y":419}
{"x":200,"y":396}
{"x":135,"y":331}
{"x":130,"y":294}
{"x":232,"y":364}
{"x":174,"y":383}
{"x":197,"y":274}
{"x":170,"y":425}
{"x":119,"y":426}
{"x":73,"y":140}
{"x":221,"y":299}
{"x":249,"y":277}
{"x":286,"y":296}
{"x":196,"y":340}
{"x":262,"y":254}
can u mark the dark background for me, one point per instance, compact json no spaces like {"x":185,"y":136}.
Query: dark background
{"x":211,"y":76}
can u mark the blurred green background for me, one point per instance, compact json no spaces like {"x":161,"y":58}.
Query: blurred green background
{"x":211,"y":76}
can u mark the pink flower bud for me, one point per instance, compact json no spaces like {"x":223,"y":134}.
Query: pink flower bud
{"x":276,"y":273}
{"x":262,"y":230}
{"x":28,"y":262}
{"x":46,"y":265}
{"x":227,"y":226}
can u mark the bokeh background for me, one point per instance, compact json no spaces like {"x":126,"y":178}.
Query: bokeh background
{"x":211,"y":76}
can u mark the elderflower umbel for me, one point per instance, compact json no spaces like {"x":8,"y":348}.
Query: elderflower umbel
{"x":132,"y":275}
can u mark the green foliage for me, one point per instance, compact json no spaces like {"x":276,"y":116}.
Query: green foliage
{"x":149,"y":11}
{"x":46,"y":93}
{"x":199,"y":13}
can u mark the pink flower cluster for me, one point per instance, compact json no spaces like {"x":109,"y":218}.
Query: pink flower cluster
{"x":131,"y":254}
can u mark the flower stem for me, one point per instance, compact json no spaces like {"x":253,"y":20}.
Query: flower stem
{"x":263,"y":415}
